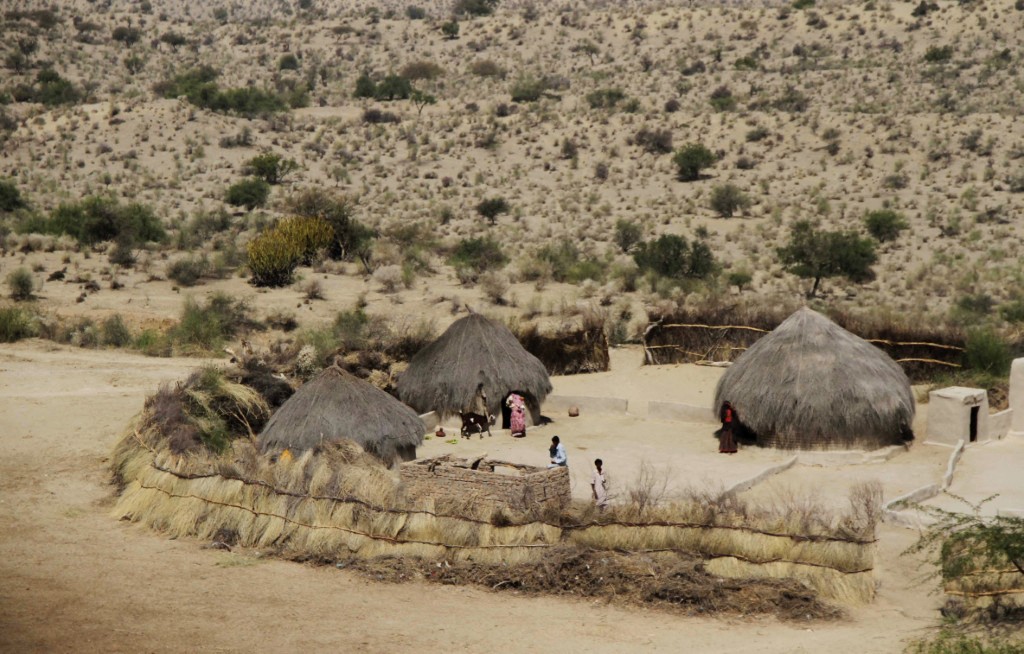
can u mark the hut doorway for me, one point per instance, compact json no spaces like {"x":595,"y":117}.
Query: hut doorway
{"x":974,"y":423}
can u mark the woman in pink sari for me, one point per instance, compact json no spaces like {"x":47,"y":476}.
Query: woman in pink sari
{"x":517,"y":421}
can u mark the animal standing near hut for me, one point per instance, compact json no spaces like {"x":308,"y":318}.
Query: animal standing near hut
{"x":475,"y":356}
{"x":810,"y":384}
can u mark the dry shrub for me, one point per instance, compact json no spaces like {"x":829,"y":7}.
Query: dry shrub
{"x":671,"y":582}
{"x":649,"y":489}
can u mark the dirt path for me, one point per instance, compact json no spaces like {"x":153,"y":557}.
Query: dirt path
{"x":73,"y":579}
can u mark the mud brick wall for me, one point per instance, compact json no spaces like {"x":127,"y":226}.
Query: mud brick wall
{"x":500,"y":489}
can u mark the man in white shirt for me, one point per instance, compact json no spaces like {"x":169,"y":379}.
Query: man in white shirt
{"x":557,"y":452}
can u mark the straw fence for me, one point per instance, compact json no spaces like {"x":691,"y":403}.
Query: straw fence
{"x":723,"y":334}
{"x":568,"y":351}
{"x":335,"y":502}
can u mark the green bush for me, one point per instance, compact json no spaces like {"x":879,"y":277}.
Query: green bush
{"x":722,"y":99}
{"x":50,"y":89}
{"x":188,"y":270}
{"x":740,"y":278}
{"x":672,"y":257}
{"x":885,"y":224}
{"x":450,"y":29}
{"x":16,"y":323}
{"x":250,"y":102}
{"x":815,"y":254}
{"x":938,"y":54}
{"x":365,"y":86}
{"x":491,"y":208}
{"x":312,"y":237}
{"x":627,"y":234}
{"x":792,"y":100}
{"x":474,"y":7}
{"x":96,"y":218}
{"x":199,"y":86}
{"x":10,"y":196}
{"x":727,"y":199}
{"x":21,"y":284}
{"x":270,"y":167}
{"x":272,"y":259}
{"x":126,"y":34}
{"x":1012,"y":311}
{"x":757,"y":134}
{"x":745,"y":63}
{"x":114,"y":332}
{"x":276,"y":253}
{"x":352,"y":239}
{"x":474,"y":256}
{"x":206,"y":327}
{"x":486,"y":68}
{"x":422,"y":69}
{"x":413,"y":12}
{"x":691,"y":159}
{"x":987,"y":352}
{"x":654,"y":141}
{"x":249,"y":193}
{"x":527,"y":89}
{"x":567,"y":265}
{"x":153,"y":343}
{"x":288,"y":62}
{"x":393,"y":87}
{"x":605,"y":98}
{"x":173,"y":39}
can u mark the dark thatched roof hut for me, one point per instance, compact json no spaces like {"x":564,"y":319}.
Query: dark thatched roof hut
{"x":474,"y":352}
{"x":810,"y":384}
{"x":334,"y":406}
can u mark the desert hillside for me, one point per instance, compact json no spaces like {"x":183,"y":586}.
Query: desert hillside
{"x":566,"y":113}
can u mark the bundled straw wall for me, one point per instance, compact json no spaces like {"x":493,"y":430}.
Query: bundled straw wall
{"x":335,"y":501}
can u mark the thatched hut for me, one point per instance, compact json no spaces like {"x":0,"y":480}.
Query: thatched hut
{"x":473,"y":353}
{"x":336,"y":405}
{"x":810,"y":384}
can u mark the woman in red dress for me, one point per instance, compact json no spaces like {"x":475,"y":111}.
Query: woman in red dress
{"x":726,"y":439}
{"x":518,"y":418}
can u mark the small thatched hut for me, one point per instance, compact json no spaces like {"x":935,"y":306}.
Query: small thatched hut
{"x":810,"y":384}
{"x":474,"y":353}
{"x":335,"y":405}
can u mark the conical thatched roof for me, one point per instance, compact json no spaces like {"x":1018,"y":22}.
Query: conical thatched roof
{"x":444,"y":376}
{"x":336,"y":405}
{"x":811,"y":384}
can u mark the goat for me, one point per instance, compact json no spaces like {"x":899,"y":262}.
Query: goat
{"x":474,"y":423}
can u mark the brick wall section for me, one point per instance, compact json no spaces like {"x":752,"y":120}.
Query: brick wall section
{"x":511,"y":488}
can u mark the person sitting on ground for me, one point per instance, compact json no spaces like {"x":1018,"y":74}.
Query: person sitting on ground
{"x":557,"y":452}
{"x":598,"y":485}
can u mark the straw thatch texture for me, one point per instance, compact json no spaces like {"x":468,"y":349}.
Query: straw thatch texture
{"x":473,"y":351}
{"x":810,"y":384}
{"x":334,"y":406}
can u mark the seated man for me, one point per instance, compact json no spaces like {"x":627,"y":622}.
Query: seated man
{"x":557,"y":452}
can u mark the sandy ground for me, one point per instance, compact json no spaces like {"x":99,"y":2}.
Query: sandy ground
{"x":74,"y":579}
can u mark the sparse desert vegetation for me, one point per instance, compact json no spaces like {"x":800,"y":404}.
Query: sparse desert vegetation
{"x":323,"y":178}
